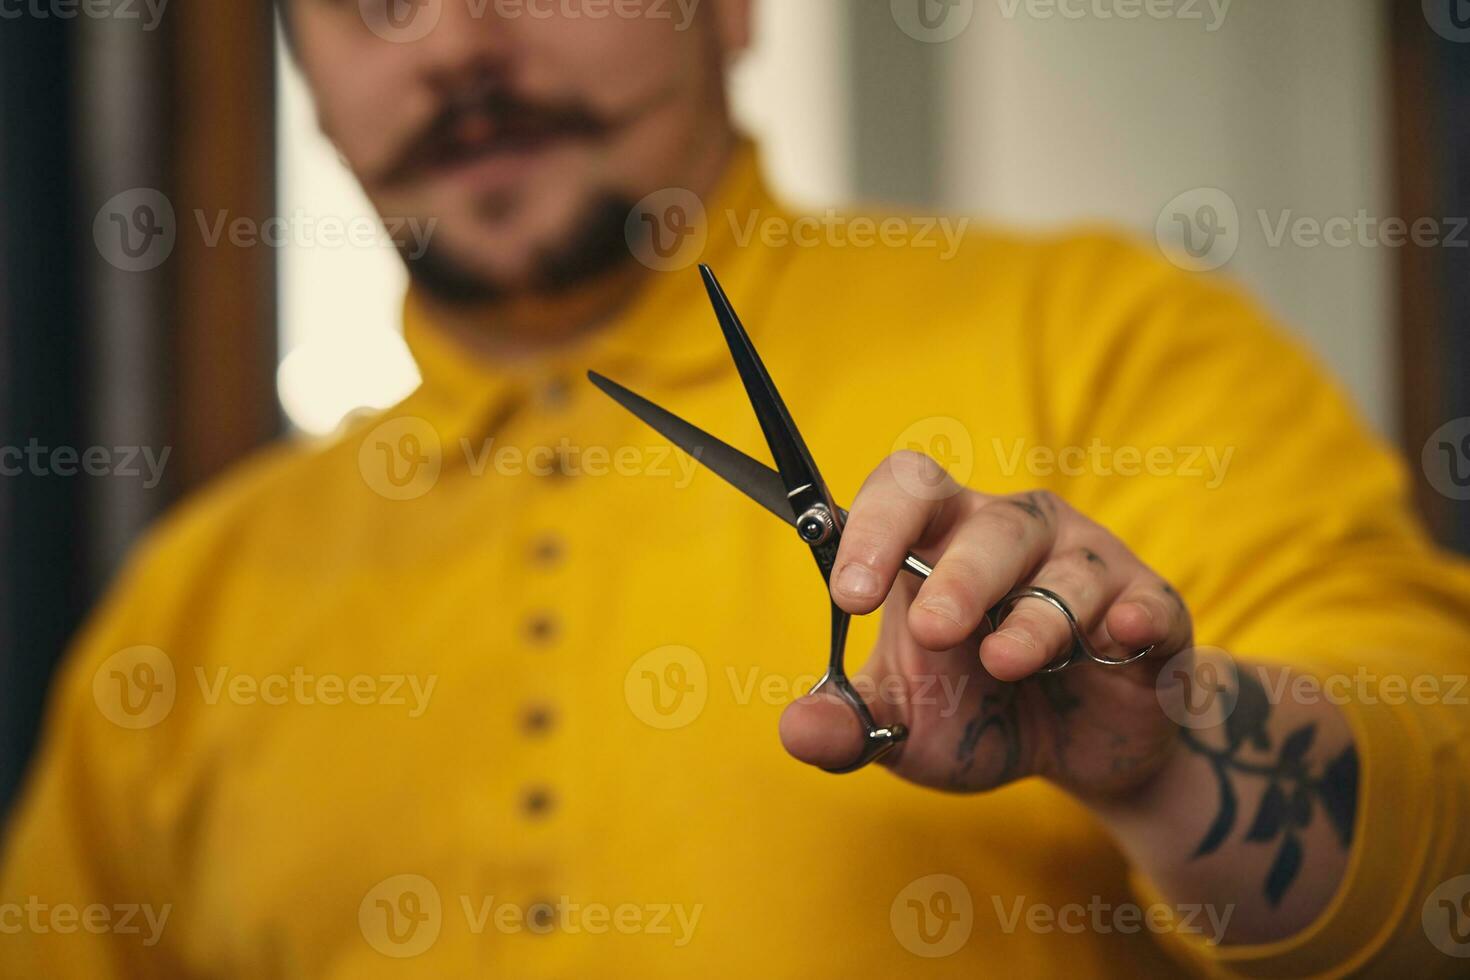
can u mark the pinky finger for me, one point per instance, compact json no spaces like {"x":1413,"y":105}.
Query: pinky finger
{"x":1148,"y":616}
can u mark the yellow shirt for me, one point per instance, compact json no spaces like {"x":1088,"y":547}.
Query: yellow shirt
{"x":489,"y":685}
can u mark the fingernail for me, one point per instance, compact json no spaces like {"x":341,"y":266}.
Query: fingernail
{"x":857,"y":581}
{"x":941,"y":605}
{"x":1148,"y":613}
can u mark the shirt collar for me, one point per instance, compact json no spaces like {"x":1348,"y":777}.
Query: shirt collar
{"x":666,"y":335}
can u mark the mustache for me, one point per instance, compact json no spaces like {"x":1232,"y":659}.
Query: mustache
{"x":492,"y":119}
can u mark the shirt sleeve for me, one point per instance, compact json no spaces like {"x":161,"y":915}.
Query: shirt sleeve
{"x":1288,"y":528}
{"x":85,"y":873}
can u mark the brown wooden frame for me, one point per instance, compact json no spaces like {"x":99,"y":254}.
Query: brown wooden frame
{"x":1431,"y":95}
{"x":223,"y":130}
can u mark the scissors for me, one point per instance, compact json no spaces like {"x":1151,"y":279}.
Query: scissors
{"x":796,"y":493}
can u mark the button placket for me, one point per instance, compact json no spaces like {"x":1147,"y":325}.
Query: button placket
{"x":544,"y":554}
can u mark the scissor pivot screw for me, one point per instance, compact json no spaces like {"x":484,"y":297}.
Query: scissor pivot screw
{"x":816,"y":525}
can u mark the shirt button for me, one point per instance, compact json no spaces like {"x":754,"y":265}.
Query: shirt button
{"x":555,"y":393}
{"x":541,"y":916}
{"x":541,"y":628}
{"x":556,"y":467}
{"x":537,"y":720}
{"x":537,"y":802}
{"x":547,"y":550}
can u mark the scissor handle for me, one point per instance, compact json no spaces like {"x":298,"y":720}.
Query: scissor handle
{"x":877,"y":742}
{"x":1081,"y":649}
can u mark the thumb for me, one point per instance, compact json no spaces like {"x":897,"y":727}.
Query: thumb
{"x":939,"y":695}
{"x":821,"y":729}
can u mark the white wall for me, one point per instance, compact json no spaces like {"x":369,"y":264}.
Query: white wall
{"x":1053,"y":120}
{"x":791,"y":93}
{"x":340,"y":307}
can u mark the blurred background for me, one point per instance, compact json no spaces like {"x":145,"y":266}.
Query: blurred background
{"x":1315,"y":150}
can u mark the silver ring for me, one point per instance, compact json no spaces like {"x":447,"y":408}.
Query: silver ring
{"x":1080,"y":646}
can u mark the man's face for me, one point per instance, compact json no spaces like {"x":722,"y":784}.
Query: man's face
{"x":527,"y":128}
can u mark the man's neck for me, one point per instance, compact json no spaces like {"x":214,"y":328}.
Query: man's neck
{"x":528,"y":327}
{"x":533,"y":325}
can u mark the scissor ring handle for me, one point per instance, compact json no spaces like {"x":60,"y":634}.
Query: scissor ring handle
{"x":1080,"y":648}
{"x":877,"y":742}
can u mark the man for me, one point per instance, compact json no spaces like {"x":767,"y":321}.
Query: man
{"x":490,"y":685}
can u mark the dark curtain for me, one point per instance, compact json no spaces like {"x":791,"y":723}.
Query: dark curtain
{"x":1454,"y":271}
{"x":179,"y":356}
{"x":42,"y":524}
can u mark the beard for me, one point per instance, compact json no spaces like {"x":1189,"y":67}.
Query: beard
{"x":486,"y":113}
{"x":595,"y":247}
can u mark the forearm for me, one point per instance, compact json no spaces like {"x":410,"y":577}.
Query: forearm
{"x":1252,"y":815}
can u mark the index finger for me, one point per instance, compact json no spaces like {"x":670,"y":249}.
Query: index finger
{"x":887,"y":520}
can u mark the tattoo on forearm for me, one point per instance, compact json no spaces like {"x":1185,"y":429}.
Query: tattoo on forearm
{"x":1293,"y":790}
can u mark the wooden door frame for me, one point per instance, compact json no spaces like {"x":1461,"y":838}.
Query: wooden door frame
{"x":1431,"y":100}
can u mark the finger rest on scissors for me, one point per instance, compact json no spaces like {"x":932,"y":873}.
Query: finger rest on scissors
{"x":877,"y":741}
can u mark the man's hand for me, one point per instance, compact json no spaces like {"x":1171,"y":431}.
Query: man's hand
{"x":980,"y":714}
{"x":1097,"y":731}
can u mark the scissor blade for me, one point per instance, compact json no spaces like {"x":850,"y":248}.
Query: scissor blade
{"x":753,"y":478}
{"x":793,"y":460}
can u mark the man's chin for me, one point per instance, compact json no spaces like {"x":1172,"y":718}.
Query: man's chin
{"x":594,"y":248}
